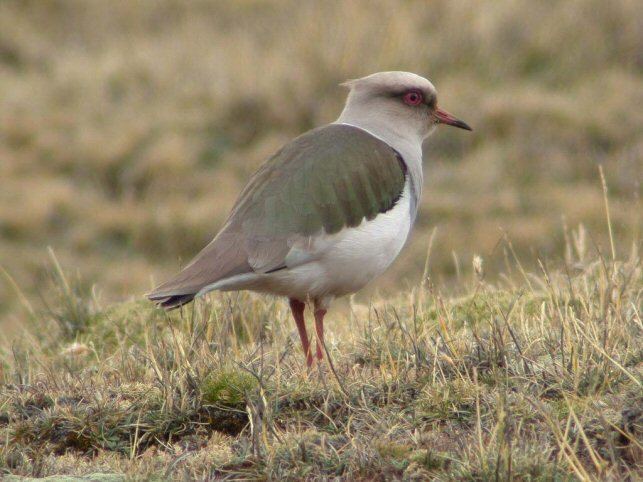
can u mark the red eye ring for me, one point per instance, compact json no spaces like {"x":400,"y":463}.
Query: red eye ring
{"x":413,"y":98}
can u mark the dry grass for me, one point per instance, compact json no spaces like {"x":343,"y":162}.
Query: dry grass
{"x":128,"y":128}
{"x":537,"y":380}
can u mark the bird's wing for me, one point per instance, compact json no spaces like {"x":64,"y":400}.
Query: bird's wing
{"x":328,"y":179}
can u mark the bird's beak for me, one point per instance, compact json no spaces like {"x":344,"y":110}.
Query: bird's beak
{"x":443,"y":117}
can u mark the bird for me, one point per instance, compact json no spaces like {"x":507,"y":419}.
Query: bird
{"x":329,"y":211}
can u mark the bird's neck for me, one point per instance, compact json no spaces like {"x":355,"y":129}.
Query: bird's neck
{"x":405,"y":141}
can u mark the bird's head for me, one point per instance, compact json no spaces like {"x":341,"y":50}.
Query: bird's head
{"x":400,"y":100}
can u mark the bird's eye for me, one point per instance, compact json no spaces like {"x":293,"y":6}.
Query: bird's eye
{"x":413,"y":98}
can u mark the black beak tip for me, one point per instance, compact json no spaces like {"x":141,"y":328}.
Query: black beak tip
{"x":463,"y":125}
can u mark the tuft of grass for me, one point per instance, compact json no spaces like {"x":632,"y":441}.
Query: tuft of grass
{"x":228,"y":388}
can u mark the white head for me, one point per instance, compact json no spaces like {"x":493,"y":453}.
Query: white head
{"x":395,"y":103}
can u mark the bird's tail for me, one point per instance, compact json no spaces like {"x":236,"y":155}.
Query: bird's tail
{"x":223,"y":257}
{"x":171,"y":302}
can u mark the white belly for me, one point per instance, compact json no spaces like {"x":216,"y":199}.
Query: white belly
{"x":344,"y":262}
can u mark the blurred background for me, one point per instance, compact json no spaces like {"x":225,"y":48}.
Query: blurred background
{"x":127,"y":128}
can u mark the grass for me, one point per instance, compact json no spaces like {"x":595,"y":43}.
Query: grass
{"x":126,"y":132}
{"x":532,"y":380}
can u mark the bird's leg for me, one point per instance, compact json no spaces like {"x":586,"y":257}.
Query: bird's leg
{"x":319,"y":328}
{"x":297,"y":308}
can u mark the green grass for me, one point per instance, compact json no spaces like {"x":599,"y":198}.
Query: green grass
{"x":533,"y":380}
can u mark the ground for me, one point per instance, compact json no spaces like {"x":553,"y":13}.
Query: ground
{"x":126,"y":132}
{"x":538,"y":379}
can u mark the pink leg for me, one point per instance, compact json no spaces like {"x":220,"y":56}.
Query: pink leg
{"x":297,"y":308}
{"x":319,"y":328}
